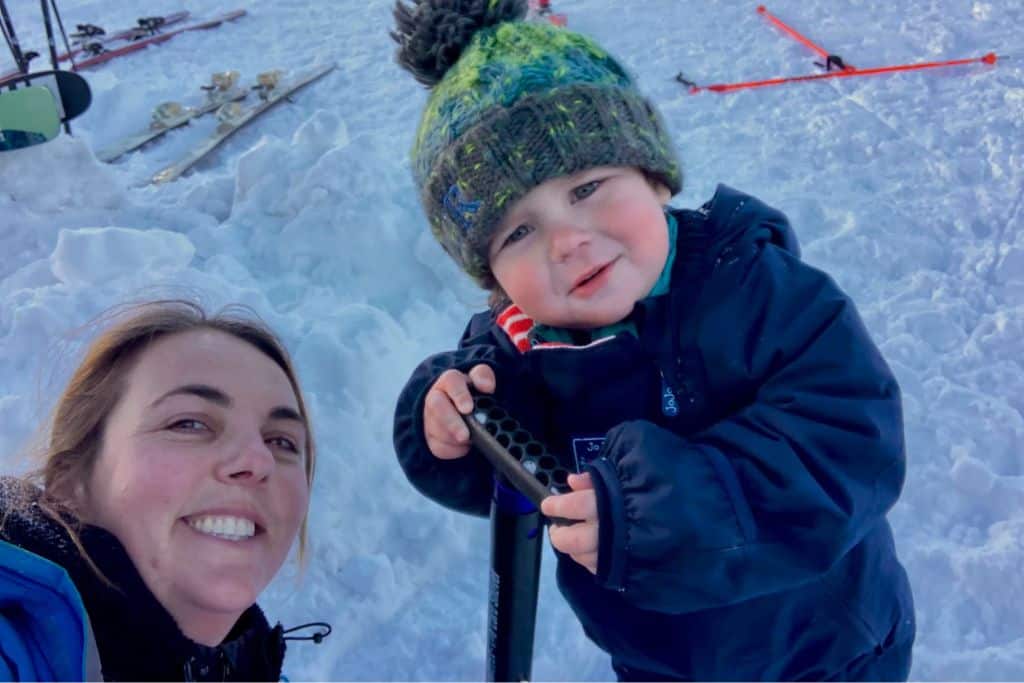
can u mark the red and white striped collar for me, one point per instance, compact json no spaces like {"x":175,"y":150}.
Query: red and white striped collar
{"x":517,"y":326}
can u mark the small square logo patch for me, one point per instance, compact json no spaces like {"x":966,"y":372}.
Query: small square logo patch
{"x":585,"y":449}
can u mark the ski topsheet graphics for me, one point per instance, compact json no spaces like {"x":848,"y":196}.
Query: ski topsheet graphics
{"x":222,"y":89}
{"x":233,"y":116}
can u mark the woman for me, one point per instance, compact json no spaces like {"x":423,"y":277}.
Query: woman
{"x":175,"y":481}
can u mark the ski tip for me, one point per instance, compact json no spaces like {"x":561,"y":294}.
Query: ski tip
{"x":990,"y":58}
{"x":761,"y":9}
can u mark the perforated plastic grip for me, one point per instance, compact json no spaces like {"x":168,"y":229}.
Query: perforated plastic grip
{"x":513,"y":451}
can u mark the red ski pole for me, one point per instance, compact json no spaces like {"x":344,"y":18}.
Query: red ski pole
{"x":989,"y":58}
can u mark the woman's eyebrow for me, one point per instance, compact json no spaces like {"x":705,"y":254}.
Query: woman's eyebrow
{"x":215,"y":395}
{"x":285,"y":413}
{"x":204,"y":391}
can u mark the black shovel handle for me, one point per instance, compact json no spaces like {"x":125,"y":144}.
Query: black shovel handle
{"x":513,"y":452}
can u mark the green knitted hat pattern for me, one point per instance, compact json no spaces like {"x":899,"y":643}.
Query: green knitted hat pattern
{"x":526,"y":102}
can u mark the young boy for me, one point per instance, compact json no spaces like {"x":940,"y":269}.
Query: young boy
{"x":739,"y":435}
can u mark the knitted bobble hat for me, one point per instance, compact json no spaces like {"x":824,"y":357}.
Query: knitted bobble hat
{"x":514,"y":104}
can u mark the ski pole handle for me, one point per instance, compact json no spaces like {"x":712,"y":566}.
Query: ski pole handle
{"x":515,"y":454}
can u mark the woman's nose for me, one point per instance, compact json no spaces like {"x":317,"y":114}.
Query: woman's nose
{"x":250,"y":461}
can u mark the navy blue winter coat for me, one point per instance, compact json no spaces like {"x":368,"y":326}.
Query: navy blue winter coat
{"x":745,"y":447}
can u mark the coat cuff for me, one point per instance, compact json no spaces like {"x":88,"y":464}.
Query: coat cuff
{"x":613,"y":527}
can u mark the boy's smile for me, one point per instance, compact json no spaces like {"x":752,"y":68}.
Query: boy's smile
{"x":579,"y":251}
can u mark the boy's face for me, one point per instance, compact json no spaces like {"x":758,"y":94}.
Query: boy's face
{"x":580,"y":250}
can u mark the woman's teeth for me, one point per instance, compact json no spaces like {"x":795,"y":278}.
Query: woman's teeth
{"x":223,"y":526}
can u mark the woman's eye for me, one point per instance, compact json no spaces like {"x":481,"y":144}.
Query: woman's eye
{"x":188,"y":425}
{"x":283,"y":442}
{"x":585,"y":190}
{"x":519,"y":233}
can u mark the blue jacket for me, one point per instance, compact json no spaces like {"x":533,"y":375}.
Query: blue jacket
{"x":745,"y":448}
{"x":44,"y":634}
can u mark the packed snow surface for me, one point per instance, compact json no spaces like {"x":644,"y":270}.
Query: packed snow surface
{"x":907,"y":188}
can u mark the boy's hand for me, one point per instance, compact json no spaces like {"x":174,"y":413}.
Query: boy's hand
{"x":579,"y":540}
{"x":446,"y":402}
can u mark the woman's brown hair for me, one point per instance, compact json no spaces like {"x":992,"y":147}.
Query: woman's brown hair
{"x":76,"y":426}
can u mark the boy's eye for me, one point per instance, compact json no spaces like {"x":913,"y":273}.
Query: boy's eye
{"x":519,"y":233}
{"x":585,"y":190}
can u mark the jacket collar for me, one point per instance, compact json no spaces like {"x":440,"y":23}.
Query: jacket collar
{"x":136,"y":637}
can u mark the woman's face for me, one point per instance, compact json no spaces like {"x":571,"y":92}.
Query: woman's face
{"x":201,"y":476}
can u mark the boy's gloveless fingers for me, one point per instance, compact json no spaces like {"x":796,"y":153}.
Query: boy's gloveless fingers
{"x":482,"y":377}
{"x":443,"y":445}
{"x":441,"y":420}
{"x":579,"y":482}
{"x":575,"y":539}
{"x":455,"y":385}
{"x":581,"y":505}
{"x":447,"y":451}
{"x":588,"y":560}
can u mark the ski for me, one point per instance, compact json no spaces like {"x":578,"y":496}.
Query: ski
{"x":156,"y":39}
{"x":91,"y":39}
{"x":169,"y":115}
{"x":233,"y":117}
{"x":990,"y":59}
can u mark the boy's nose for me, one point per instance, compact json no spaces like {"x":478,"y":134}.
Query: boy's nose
{"x":566,"y":239}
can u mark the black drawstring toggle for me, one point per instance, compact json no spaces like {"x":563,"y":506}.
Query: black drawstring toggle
{"x":316,"y":637}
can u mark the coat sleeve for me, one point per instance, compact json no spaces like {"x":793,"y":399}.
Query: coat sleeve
{"x":775,"y":493}
{"x":463,"y":484}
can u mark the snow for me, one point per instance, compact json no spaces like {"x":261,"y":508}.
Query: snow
{"x":907,"y":188}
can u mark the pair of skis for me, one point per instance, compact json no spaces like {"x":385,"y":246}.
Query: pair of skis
{"x":92,"y":40}
{"x":223,"y":88}
{"x":232,"y":116}
{"x":842,"y":69}
{"x":149,"y":31}
{"x":106,"y":55}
